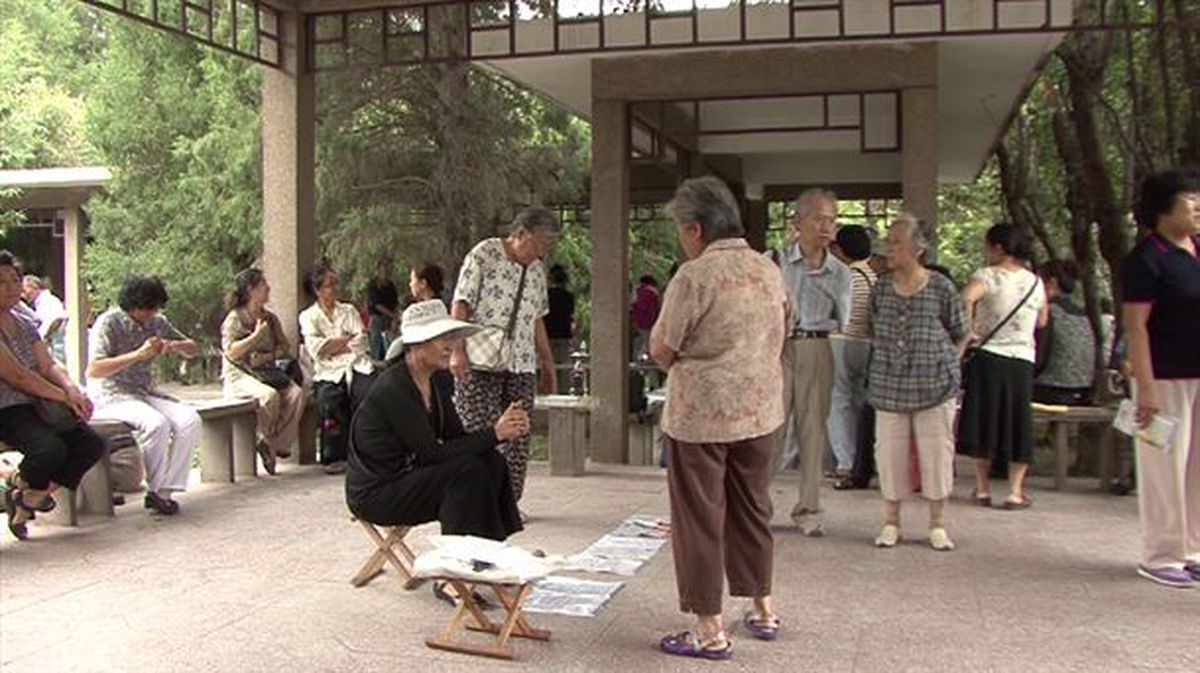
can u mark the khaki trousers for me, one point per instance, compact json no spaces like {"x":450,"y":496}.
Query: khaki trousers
{"x":277,"y":411}
{"x":807,"y":396}
{"x":933,"y":430}
{"x":720,"y":520}
{"x":1169,"y":482}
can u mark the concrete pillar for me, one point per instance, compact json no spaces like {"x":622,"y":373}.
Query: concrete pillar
{"x":289,"y":172}
{"x":756,"y":224}
{"x":609,"y":343}
{"x":919,"y":158}
{"x":75,"y":293}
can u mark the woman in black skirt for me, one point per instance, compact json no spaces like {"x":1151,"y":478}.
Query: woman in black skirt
{"x":1005,"y":302}
{"x":410,"y":460}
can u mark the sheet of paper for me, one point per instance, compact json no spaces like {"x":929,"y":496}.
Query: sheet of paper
{"x":635,"y":548}
{"x":569,"y":596}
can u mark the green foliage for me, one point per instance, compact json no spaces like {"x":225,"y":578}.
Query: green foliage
{"x":179,"y":124}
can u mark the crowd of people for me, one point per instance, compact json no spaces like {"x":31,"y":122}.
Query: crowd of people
{"x":871,"y":359}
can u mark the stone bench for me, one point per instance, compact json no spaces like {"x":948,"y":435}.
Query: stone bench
{"x":1059,"y":420}
{"x":568,"y":432}
{"x":227,"y":439}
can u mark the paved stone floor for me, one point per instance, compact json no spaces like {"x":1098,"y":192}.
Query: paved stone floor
{"x":254,"y":577}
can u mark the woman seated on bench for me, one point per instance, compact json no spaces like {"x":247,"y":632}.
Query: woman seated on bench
{"x":411,"y":462}
{"x":57,"y":452}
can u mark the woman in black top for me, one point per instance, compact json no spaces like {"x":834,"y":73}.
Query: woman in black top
{"x":411,"y":462}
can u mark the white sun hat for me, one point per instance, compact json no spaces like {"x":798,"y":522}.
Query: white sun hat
{"x":424,"y":321}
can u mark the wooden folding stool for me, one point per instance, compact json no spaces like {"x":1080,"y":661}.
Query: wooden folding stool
{"x":511,"y":597}
{"x":389,"y":549}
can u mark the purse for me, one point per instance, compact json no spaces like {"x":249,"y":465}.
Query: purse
{"x":970,"y":353}
{"x":491,"y":348}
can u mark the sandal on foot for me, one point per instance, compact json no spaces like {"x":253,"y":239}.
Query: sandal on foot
{"x":847,"y":484}
{"x":685,"y":644}
{"x":1024,"y":503}
{"x":19,"y":530}
{"x":982,"y":499}
{"x":268,"y":460}
{"x":762,"y":628}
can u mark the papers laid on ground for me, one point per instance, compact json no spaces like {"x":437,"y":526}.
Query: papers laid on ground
{"x":621,"y":552}
{"x":569,"y":596}
{"x":479,"y":559}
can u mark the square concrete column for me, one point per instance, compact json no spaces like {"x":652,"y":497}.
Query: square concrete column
{"x":289,"y":172}
{"x":610,"y":276}
{"x":919,"y":158}
{"x":75,"y":293}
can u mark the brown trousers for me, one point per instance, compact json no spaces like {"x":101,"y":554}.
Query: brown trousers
{"x":720,"y":520}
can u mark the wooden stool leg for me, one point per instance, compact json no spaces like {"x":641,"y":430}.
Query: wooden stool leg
{"x":386,"y":552}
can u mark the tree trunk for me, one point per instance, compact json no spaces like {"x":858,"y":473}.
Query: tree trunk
{"x":1082,"y":243}
{"x":1189,"y":35}
{"x":1085,"y":55}
{"x":1014,"y":186}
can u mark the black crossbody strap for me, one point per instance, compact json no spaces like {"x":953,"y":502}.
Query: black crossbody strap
{"x":1008,"y":317}
{"x":512,"y":317}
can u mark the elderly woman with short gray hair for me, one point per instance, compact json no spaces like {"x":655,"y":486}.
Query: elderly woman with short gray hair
{"x":720,"y":335}
{"x":918,"y":327}
{"x":502,"y":288}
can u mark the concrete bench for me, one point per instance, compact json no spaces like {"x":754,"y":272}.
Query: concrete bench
{"x":227,"y":439}
{"x":1059,"y":420}
{"x":568,"y":432}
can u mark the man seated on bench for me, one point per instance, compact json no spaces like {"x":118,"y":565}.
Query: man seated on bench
{"x":411,"y":462}
{"x":124,"y":341}
{"x":57,"y":451}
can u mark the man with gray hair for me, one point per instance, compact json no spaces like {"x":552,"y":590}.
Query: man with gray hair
{"x":502,"y":286}
{"x":819,"y":288}
{"x":51,"y":314}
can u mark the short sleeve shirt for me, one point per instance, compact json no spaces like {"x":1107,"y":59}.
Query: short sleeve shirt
{"x":1004,"y":289}
{"x":1166,"y":276}
{"x":723,"y":315}
{"x":238,"y":325}
{"x":116,"y":333}
{"x":820,"y":297}
{"x":862,"y":279}
{"x":488,"y":282}
{"x":914,"y":354}
{"x":20,"y":346}
{"x":384,"y":294}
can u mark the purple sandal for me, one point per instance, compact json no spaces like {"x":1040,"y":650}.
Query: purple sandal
{"x":762,"y":628}
{"x":683,"y":644}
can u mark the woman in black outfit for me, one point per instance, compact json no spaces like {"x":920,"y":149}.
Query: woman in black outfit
{"x":411,"y":462}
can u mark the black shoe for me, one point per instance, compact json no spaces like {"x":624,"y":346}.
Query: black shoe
{"x":12,"y":502}
{"x":161,"y":505}
{"x":118,"y":500}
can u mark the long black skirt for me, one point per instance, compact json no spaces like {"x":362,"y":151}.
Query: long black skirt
{"x":471,"y":495}
{"x":996,"y":419}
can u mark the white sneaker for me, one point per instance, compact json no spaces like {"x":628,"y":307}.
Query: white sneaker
{"x":939,"y":540}
{"x":809,"y":524}
{"x":889,"y":536}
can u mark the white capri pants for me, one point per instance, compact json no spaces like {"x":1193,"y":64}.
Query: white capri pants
{"x":933,"y":430}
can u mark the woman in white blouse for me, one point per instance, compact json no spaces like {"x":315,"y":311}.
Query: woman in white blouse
{"x":1005,"y":303}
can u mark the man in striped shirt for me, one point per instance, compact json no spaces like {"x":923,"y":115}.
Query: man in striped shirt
{"x":851,"y":348}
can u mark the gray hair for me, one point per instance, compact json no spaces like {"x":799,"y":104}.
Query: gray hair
{"x":536,"y":220}
{"x":805,"y":204}
{"x":34,"y":281}
{"x":709,"y":203}
{"x":913,"y":229}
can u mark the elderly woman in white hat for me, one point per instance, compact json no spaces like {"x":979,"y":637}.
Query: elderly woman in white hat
{"x":411,"y":462}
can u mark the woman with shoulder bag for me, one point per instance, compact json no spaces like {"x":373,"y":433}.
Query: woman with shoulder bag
{"x":1005,"y":303}
{"x":256,"y":362}
{"x":43,"y":414}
